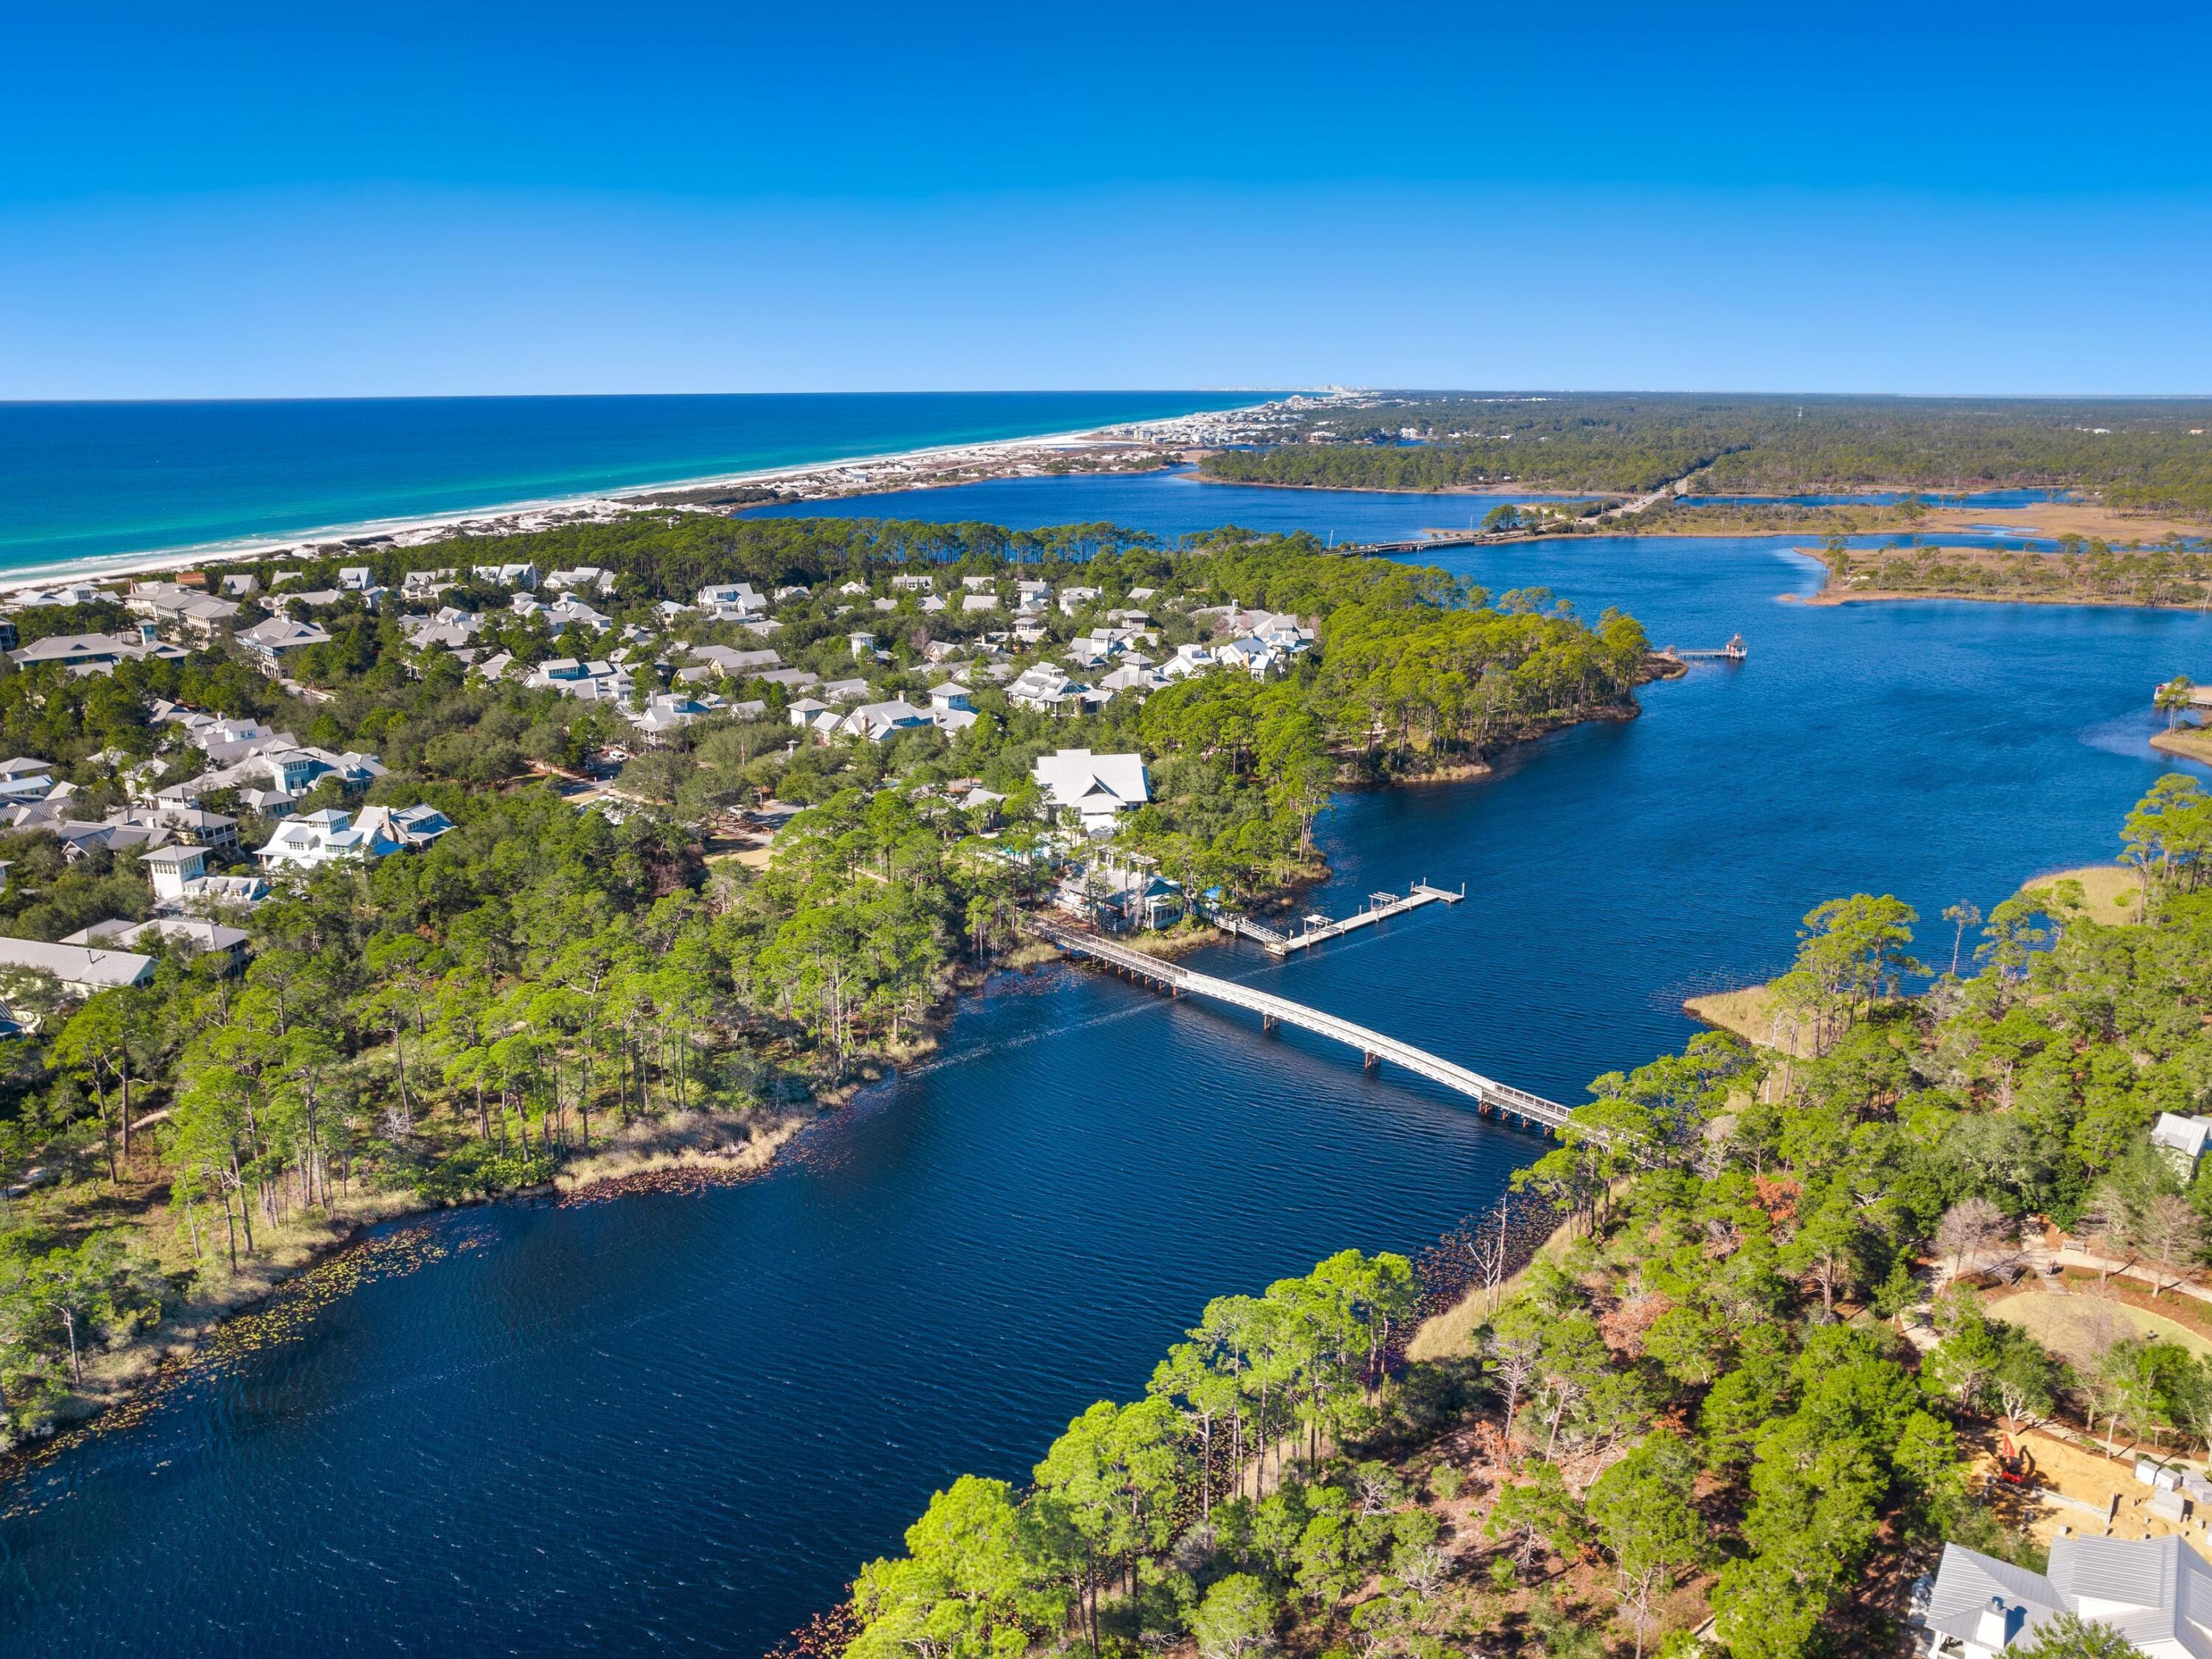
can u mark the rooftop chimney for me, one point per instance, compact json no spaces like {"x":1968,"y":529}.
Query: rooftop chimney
{"x":1996,"y":1625}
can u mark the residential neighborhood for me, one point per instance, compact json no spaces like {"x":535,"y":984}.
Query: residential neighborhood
{"x":216,"y":808}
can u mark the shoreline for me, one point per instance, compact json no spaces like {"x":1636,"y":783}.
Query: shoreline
{"x":603,"y":504}
{"x":1891,"y":596}
{"x":131,"y":1381}
{"x":668,"y":1159}
{"x":1832,"y":593}
{"x":2190,"y":743}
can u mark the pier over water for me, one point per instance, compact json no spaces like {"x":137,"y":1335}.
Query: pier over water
{"x":1490,"y":1095}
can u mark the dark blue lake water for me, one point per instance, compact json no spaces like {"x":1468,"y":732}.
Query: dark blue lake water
{"x":82,"y":480}
{"x":679,"y":1423}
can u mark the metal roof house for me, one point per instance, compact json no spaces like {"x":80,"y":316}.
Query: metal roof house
{"x":325,"y":837}
{"x":1096,"y":787}
{"x":2181,"y":1140}
{"x":85,"y":969}
{"x":2156,"y":1592}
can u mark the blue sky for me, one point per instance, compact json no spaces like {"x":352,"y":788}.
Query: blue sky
{"x":240,"y":200}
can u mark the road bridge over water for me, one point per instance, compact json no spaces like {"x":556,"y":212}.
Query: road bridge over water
{"x":1491,"y":1097}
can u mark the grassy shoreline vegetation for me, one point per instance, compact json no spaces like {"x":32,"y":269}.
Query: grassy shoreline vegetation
{"x":1690,"y":1420}
{"x":570,"y":982}
{"x":2145,"y":455}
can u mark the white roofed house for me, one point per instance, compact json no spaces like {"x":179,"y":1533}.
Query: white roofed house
{"x":566,"y":613}
{"x":737,"y":598}
{"x":198,"y":612}
{"x":197,"y":936}
{"x":591,"y":578}
{"x":1254,"y":655}
{"x":1095,"y":787}
{"x":25,"y":779}
{"x":1188,"y":659}
{"x":671,"y":711}
{"x":278,"y":638}
{"x":1045,"y":689}
{"x":171,"y":869}
{"x":2155,"y":1592}
{"x":877,"y":721}
{"x":452,"y":629}
{"x":297,"y":770}
{"x":322,"y":838}
{"x":412,"y":828}
{"x":593,"y":681}
{"x":737,"y":664}
{"x":197,"y":827}
{"x":2181,"y":1140}
{"x":85,"y":969}
{"x":92,"y":653}
{"x":949,"y":706}
{"x":1135,"y":676}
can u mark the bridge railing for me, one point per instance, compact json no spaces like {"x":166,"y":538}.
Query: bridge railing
{"x":1498,"y":1096}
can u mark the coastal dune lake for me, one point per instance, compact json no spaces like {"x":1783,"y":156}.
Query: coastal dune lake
{"x":679,"y":1422}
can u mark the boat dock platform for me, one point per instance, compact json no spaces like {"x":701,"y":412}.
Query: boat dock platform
{"x":1734,"y":650}
{"x":1381,"y":907}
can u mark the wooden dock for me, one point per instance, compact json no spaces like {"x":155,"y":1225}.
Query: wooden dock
{"x":1734,"y":650}
{"x":1244,"y":927}
{"x":1381,"y":907}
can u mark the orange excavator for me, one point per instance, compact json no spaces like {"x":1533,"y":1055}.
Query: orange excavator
{"x":2015,"y":1464}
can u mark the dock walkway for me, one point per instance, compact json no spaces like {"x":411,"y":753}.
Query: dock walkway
{"x":1491,"y":1097}
{"x":1381,"y":907}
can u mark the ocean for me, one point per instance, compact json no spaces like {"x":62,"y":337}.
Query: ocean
{"x":88,"y":481}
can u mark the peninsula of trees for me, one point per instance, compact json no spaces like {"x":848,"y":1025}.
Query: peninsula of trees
{"x":1700,"y":1399}
{"x":597,"y":947}
{"x":2085,"y":570}
{"x":2136,"y":454}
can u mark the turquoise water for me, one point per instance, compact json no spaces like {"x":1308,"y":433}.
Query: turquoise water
{"x":677,"y":1424}
{"x":89,"y":480}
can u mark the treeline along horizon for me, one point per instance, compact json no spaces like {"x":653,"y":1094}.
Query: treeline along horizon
{"x":2137,"y":453}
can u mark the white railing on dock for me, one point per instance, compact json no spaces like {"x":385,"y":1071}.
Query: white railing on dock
{"x":1381,"y":908}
